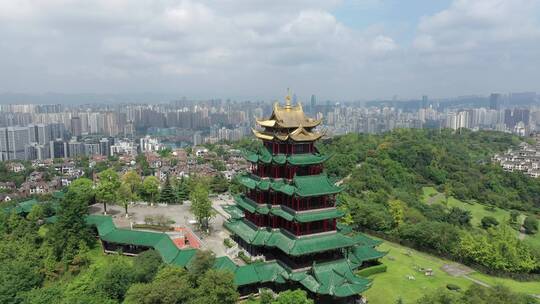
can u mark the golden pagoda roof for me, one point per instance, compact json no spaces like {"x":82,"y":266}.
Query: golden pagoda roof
{"x":299,"y":134}
{"x":288,"y":116}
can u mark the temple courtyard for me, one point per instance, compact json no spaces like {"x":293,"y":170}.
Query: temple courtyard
{"x":182,"y":217}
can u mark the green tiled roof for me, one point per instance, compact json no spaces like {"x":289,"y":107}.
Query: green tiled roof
{"x":264,"y":156}
{"x":287,"y":243}
{"x":282,"y":187}
{"x":312,"y":216}
{"x":336,"y":278}
{"x":225,"y":263}
{"x":282,"y":213}
{"x":249,"y":274}
{"x":343,"y":228}
{"x":319,"y":279}
{"x":362,"y":253}
{"x":183,"y":257}
{"x":260,"y":272}
{"x":248,"y":204}
{"x":233,"y":211}
{"x":362,"y":239}
{"x":309,"y":185}
{"x":314,"y":185}
{"x":161,"y":242}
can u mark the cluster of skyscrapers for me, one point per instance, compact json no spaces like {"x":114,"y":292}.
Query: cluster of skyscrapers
{"x":49,"y":131}
{"x":43,"y":141}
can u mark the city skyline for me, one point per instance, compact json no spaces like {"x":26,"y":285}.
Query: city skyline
{"x":339,"y":50}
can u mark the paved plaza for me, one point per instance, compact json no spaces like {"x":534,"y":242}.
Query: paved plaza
{"x":180,"y":214}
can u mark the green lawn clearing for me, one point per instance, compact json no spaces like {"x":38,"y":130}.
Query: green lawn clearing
{"x":478,"y":211}
{"x":403,"y":262}
{"x":533,"y":240}
{"x":516,"y":286}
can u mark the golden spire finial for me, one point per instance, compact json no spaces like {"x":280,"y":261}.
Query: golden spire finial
{"x":288,"y":98}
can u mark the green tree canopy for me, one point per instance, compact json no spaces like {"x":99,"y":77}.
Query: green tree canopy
{"x":167,"y":194}
{"x":489,"y":222}
{"x":297,"y":296}
{"x":83,"y":189}
{"x":146,"y":265}
{"x":219,"y":183}
{"x":151,"y":187}
{"x":216,"y":286}
{"x":170,"y":286}
{"x":203,"y":261}
{"x":201,"y":206}
{"x":182,"y":190}
{"x":531,"y":224}
{"x":125,"y":196}
{"x":134,"y":180}
{"x":107,"y":187}
{"x":115,"y":279}
{"x":70,"y":233}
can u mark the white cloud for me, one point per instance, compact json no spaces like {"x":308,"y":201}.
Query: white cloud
{"x":257,"y":48}
{"x":383,"y":44}
{"x":473,"y":24}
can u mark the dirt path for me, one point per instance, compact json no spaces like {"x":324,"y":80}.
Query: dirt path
{"x":477,"y":281}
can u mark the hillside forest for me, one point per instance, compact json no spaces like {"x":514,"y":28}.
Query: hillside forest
{"x":386,"y":177}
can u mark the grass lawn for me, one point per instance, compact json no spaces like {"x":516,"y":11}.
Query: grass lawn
{"x":403,"y":261}
{"x":478,"y":211}
{"x":524,"y":287}
{"x":428,"y":192}
{"x":393,"y":284}
{"x":533,"y":240}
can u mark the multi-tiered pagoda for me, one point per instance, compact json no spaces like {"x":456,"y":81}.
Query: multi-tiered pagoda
{"x":288,"y":213}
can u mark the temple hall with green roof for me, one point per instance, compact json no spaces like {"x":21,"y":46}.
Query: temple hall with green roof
{"x":287,"y":212}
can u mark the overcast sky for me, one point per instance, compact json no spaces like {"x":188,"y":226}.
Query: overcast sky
{"x":357,"y":49}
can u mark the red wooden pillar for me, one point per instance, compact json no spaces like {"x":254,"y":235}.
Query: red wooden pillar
{"x":325,"y":225}
{"x":290,"y":172}
{"x":308,"y":228}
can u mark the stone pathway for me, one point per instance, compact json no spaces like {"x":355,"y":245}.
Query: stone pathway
{"x":477,"y":281}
